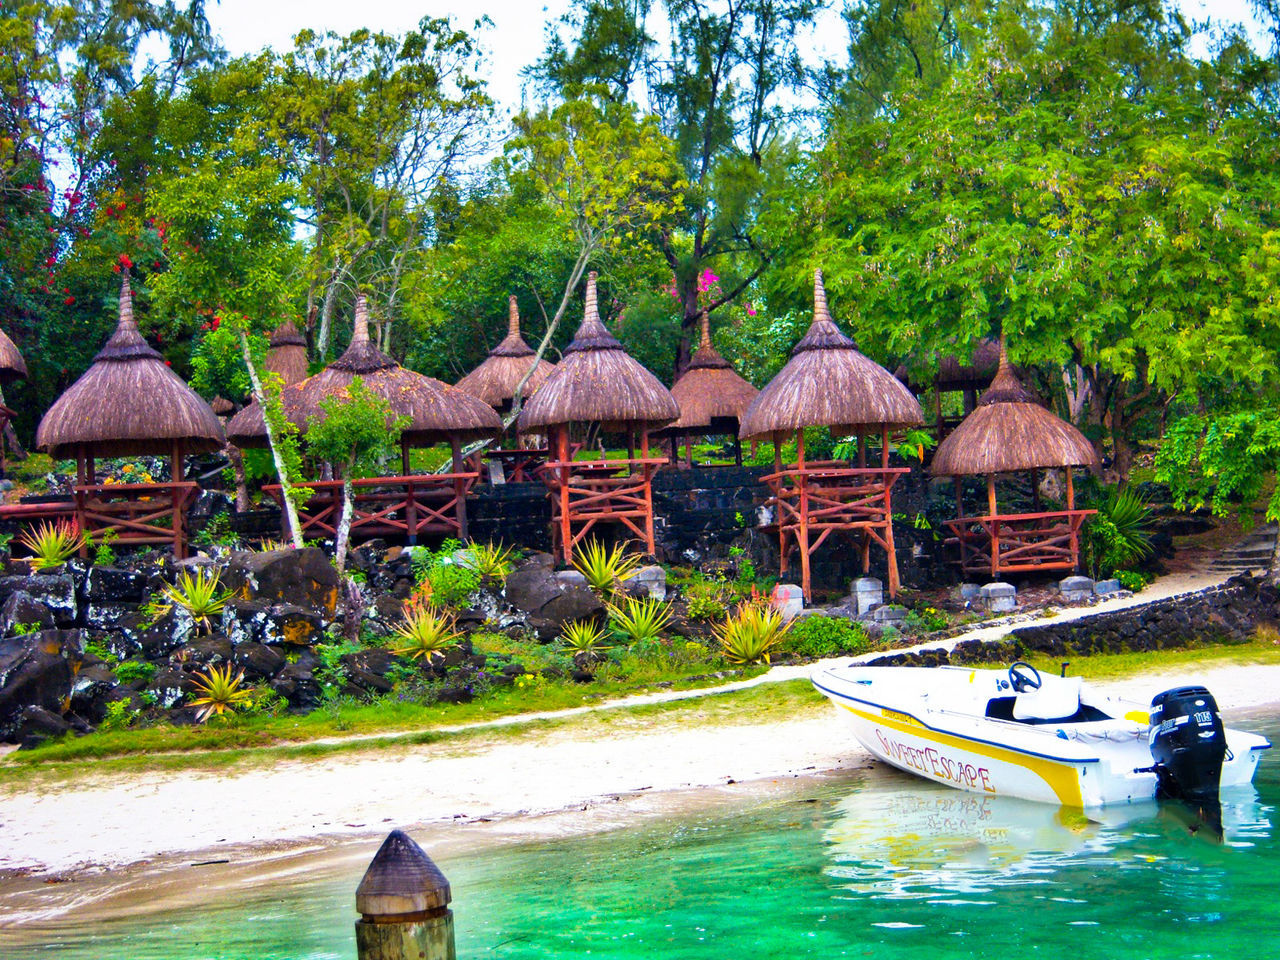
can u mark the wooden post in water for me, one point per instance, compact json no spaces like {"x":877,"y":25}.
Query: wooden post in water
{"x":404,"y":905}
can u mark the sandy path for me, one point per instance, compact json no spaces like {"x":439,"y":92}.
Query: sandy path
{"x":100,"y":822}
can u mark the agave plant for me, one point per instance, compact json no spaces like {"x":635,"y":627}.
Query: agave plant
{"x":750,"y":634}
{"x":220,"y":693}
{"x":583,"y":636}
{"x":490,"y":561}
{"x":640,"y":621}
{"x":605,"y":569}
{"x":52,"y":543}
{"x":424,"y":632}
{"x":199,"y":595}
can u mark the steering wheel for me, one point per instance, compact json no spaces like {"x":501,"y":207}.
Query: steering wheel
{"x":1023,"y":680}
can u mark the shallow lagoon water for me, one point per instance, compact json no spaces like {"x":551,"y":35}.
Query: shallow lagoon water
{"x":885,"y":866}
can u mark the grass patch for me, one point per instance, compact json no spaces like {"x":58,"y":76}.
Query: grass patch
{"x":1263,"y":648}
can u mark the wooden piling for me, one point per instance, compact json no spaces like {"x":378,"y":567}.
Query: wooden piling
{"x":404,"y":905}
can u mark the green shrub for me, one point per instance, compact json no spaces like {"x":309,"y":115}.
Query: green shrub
{"x":52,"y":544}
{"x":927,"y":620}
{"x":331,"y":674}
{"x":443,"y":579}
{"x":751,"y":634}
{"x":97,"y":648}
{"x":1133,"y":580}
{"x":423,"y":633}
{"x":826,"y":637}
{"x":707,"y":599}
{"x":639,"y":621}
{"x":103,"y":554}
{"x":583,"y":636}
{"x":199,"y":595}
{"x":1119,"y":534}
{"x":120,"y":716}
{"x":130,"y":671}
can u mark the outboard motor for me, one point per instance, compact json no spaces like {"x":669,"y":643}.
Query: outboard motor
{"x":1188,"y":744}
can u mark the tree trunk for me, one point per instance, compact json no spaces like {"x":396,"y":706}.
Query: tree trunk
{"x":344,"y":524}
{"x":286,"y":482}
{"x":236,"y":460}
{"x":1273,"y":575}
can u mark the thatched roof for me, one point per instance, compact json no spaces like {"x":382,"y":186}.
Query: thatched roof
{"x":128,"y":403}
{"x":828,"y":383}
{"x":287,"y":354}
{"x":436,"y":411}
{"x":12,"y":366}
{"x":597,"y":381}
{"x":710,"y":392}
{"x":495,"y":380}
{"x":1010,"y":431}
{"x":221,"y":406}
{"x":953,"y":374}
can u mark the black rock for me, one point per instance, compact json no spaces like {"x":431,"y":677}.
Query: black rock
{"x":169,"y":686}
{"x":56,"y":591}
{"x":93,"y":689}
{"x":203,"y":653}
{"x":258,"y":661}
{"x":303,"y":577}
{"x":21,"y":609}
{"x":34,"y":671}
{"x":35,"y":725}
{"x":114,"y":585}
{"x":368,"y":669}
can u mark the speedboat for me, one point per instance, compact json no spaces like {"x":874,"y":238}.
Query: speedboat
{"x":1020,"y":733}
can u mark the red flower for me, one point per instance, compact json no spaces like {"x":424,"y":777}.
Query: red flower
{"x":168,"y":364}
{"x":69,"y":301}
{"x":125,"y":261}
{"x":216,"y":321}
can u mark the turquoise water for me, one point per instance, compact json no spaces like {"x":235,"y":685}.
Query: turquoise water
{"x":884,"y":866}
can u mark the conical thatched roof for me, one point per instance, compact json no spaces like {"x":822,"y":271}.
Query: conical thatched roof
{"x":828,"y":383}
{"x":709,"y":390}
{"x":436,"y":411}
{"x":954,"y":375}
{"x":597,"y":381}
{"x":128,"y":403}
{"x":287,"y":354}
{"x":12,"y":366}
{"x":1010,"y":431}
{"x":495,"y":380}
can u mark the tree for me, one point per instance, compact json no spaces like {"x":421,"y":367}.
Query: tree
{"x":356,"y":431}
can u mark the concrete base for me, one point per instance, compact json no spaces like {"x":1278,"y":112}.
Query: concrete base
{"x":1075,"y":589}
{"x":788,"y":600}
{"x":654,"y":580}
{"x":1104,"y":587}
{"x":969,"y":591}
{"x":999,"y":597}
{"x":866,"y":593}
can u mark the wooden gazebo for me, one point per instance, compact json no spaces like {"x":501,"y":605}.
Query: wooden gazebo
{"x":828,"y":383}
{"x":495,"y":380}
{"x":407,"y":505}
{"x":955,"y":376}
{"x":129,"y":403}
{"x":1010,"y":432}
{"x":598,"y":382}
{"x":12,"y":367}
{"x":712,"y":398}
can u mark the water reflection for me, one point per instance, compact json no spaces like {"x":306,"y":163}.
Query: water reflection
{"x":901,"y":838}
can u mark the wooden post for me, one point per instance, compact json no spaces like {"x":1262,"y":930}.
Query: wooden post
{"x":1071,"y":491}
{"x":884,"y":448}
{"x":175,"y":477}
{"x":995,"y":524}
{"x":404,"y":905}
{"x":802,"y":524}
{"x":566,"y":530}
{"x":1075,"y":529}
{"x":404,"y":457}
{"x":1035,"y":490}
{"x":459,"y":486}
{"x":737,"y":450}
{"x":650,"y":543}
{"x":862,"y":449}
{"x":937,"y":414}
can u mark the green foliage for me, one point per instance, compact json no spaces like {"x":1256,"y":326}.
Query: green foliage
{"x":1132,"y":580}
{"x":199,"y":594}
{"x":103,"y":554}
{"x":605,"y":569}
{"x":331,"y":674}
{"x":423,"y":633}
{"x":583,"y":636}
{"x":639,"y":621}
{"x":264,"y":702}
{"x":1119,"y":534}
{"x":220,"y":693}
{"x":217,"y":362}
{"x":706,"y":601}
{"x":52,"y":543}
{"x":132,"y":671}
{"x":489,"y":561}
{"x":22,"y":629}
{"x":819,"y":637}
{"x":927,"y":620}
{"x":97,"y":648}
{"x":217,"y":532}
{"x":1222,"y":461}
{"x":444,"y":577}
{"x":746,"y":576}
{"x":120,"y":716}
{"x":751,"y":634}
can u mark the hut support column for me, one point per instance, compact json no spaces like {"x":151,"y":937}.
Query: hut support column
{"x":894,"y":581}
{"x":802,"y":527}
{"x":782,"y":532}
{"x":459,"y":486}
{"x":404,"y":457}
{"x":175,"y":476}
{"x":1035,"y":490}
{"x":1075,"y":530}
{"x":995,"y":524}
{"x":651,"y":546}
{"x":937,"y":414}
{"x":566,"y":529}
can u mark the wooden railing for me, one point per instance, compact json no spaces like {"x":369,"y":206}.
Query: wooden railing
{"x":587,"y":492}
{"x":429,"y":504}
{"x":819,"y":499}
{"x":137,"y":513}
{"x":1018,"y":543}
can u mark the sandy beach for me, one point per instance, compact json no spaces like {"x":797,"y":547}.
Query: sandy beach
{"x":87,"y":825}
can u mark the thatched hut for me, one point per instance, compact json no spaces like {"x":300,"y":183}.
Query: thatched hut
{"x":496,"y":379}
{"x":828,"y":383}
{"x":954,"y":376}
{"x":598,"y":382}
{"x":12,"y":366}
{"x":287,"y":354}
{"x":711,"y":395}
{"x":129,"y":403}
{"x":1010,"y":432}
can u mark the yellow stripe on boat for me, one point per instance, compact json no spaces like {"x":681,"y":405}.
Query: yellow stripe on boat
{"x":1062,"y":778}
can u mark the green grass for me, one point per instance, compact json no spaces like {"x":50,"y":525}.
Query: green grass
{"x":1263,"y":649}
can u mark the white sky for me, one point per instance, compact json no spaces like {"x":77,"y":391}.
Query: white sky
{"x":517,"y":36}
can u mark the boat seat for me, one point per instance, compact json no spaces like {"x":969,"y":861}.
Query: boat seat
{"x":1056,"y":699}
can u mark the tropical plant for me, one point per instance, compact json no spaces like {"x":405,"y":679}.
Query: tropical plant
{"x":103,"y":554}
{"x":583,"y":636}
{"x":1119,"y":534}
{"x":490,"y":561}
{"x":639,"y":621}
{"x":424,"y":632}
{"x":605,"y":569}
{"x":220,"y":693}
{"x":751,"y":634}
{"x":820,"y":636}
{"x":199,"y":594}
{"x":120,"y":715}
{"x":52,"y":543}
{"x":443,"y":578}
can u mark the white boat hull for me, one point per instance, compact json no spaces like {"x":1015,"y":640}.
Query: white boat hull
{"x":937,"y":731}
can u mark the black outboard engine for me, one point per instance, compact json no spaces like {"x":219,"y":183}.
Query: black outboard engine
{"x":1188,"y":744}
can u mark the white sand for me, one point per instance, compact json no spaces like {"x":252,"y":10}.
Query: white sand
{"x":131,"y":818}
